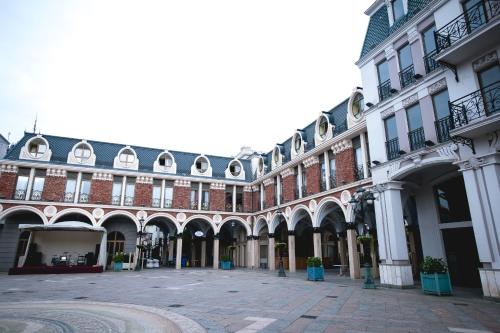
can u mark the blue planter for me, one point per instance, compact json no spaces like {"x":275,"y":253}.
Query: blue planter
{"x":226,"y":264}
{"x":118,"y":266}
{"x":436,"y":284}
{"x":316,"y":273}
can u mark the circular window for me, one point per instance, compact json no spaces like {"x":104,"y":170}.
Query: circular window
{"x":276,"y":154}
{"x":165,"y":160}
{"x":202,"y":164}
{"x":323,"y":126}
{"x":82,"y":152}
{"x":37,"y":148}
{"x":358,"y":106}
{"x":297,"y":142}
{"x":261,"y":165}
{"x":127,"y":157}
{"x":235,"y":168}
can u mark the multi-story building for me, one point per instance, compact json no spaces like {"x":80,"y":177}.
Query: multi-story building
{"x":431,"y":80}
{"x":199,"y":206}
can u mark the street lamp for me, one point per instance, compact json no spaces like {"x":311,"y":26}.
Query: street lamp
{"x":280,"y":246}
{"x":140,"y":233}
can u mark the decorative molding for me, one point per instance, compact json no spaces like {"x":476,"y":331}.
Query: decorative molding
{"x":255,"y":188}
{"x":312,"y":205}
{"x":288,"y":211}
{"x":413,"y":35}
{"x":387,"y":112}
{"x":310,"y":161}
{"x":102,"y":176}
{"x":341,"y":146}
{"x":89,"y":161}
{"x":247,"y":188}
{"x":217,"y":186}
{"x":50,"y":211}
{"x":473,"y":163}
{"x":182,"y":183}
{"x":345,"y":196}
{"x":52,"y":172}
{"x":141,"y":214}
{"x":448,"y":151}
{"x":98,"y":213}
{"x":181,"y":217}
{"x":287,"y":173}
{"x":217,"y":218}
{"x":162,"y":168}
{"x":437,"y":86}
{"x":393,"y":168}
{"x":7,"y":168}
{"x":485,"y":61}
{"x":413,"y":99}
{"x":389,"y":51}
{"x":269,"y":215}
{"x":268,"y":181}
{"x":144,"y":180}
{"x":25,"y":155}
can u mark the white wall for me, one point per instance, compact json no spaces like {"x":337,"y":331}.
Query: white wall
{"x":446,"y":13}
{"x":369,"y":81}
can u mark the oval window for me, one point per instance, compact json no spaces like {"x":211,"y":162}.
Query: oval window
{"x":297,"y":142}
{"x":261,"y":165}
{"x":202,"y":164}
{"x":37,"y":148}
{"x":358,"y":106}
{"x":82,"y":152}
{"x":276,"y":154}
{"x":165,"y":160}
{"x":323,"y":126}
{"x":235,"y":168}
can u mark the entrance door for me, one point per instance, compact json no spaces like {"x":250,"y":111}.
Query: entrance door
{"x":462,"y":257}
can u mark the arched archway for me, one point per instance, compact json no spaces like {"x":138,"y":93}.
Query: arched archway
{"x":233,"y":232}
{"x":124,"y":223}
{"x":195,"y":246}
{"x":73,"y":214}
{"x":261,"y":234}
{"x":301,"y":244}
{"x":163,"y":229}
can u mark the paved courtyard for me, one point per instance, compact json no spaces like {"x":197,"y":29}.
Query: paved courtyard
{"x":229,"y":301}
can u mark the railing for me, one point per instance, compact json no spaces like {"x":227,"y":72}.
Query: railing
{"x":128,"y":201}
{"x":167,"y":203}
{"x":430,"y":62}
{"x":69,"y":196}
{"x":36,"y":195}
{"x":392,"y":148}
{"x":239,"y":208}
{"x":20,"y":195}
{"x":443,"y":126}
{"x":340,"y":128}
{"x":384,"y":90}
{"x":155,"y":202}
{"x":464,"y":24}
{"x":205,"y":205}
{"x":115,"y":200}
{"x":480,"y":103}
{"x":333,"y":181}
{"x":359,"y":172}
{"x":229,"y":207}
{"x":84,"y":198}
{"x":416,"y":138}
{"x":407,"y":76}
{"x":193,"y":205}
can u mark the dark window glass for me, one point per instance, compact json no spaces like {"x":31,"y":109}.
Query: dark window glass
{"x":391,"y":130}
{"x":429,"y":41}
{"x":452,"y":201}
{"x":383,"y":72}
{"x":414,"y":117}
{"x":489,"y":76}
{"x":404,"y":55}
{"x":398,"y":9}
{"x":440,"y":102}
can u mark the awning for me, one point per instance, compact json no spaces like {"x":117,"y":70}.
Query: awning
{"x":66,"y":226}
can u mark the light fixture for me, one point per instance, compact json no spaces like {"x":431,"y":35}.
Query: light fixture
{"x":369,"y":104}
{"x":429,"y":143}
{"x":401,"y":152}
{"x":393,"y":91}
{"x":417,"y":76}
{"x":375,"y":162}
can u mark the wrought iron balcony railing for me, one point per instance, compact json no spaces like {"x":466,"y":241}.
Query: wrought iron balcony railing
{"x":20,"y":195}
{"x":333,"y":181}
{"x":167,"y":203}
{"x":128,"y":201}
{"x":229,"y":207}
{"x":443,"y":126}
{"x":36,"y":195}
{"x":407,"y":76}
{"x":116,"y":200}
{"x":239,"y":208}
{"x":416,"y":138}
{"x":478,"y":104}
{"x":205,"y":205}
{"x":392,"y":148}
{"x":155,"y":202}
{"x":84,"y":198}
{"x":430,"y":62}
{"x":384,"y":90}
{"x":69,"y":196}
{"x":464,"y":24}
{"x":193,"y":205}
{"x":359,"y":172}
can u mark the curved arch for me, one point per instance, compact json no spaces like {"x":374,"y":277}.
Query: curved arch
{"x":73,"y":211}
{"x":320,"y":214}
{"x":275,"y":222}
{"x":165,"y":215}
{"x":120,"y":213}
{"x":236,"y":218}
{"x":449,"y":157}
{"x":261,"y":222}
{"x":295,"y":216}
{"x":201,"y":217}
{"x":17,"y":209}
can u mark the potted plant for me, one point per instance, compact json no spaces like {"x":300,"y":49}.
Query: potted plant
{"x":434,"y":277}
{"x":315,"y":270}
{"x":118,"y":261}
{"x":225,"y":262}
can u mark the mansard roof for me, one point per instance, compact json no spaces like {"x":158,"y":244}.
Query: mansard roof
{"x":106,"y":152}
{"x":379,"y":28}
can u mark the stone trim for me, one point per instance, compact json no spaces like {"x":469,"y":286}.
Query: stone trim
{"x":268,"y":182}
{"x":102,"y":176}
{"x":255,"y":188}
{"x":287,"y":173}
{"x":308,"y":162}
{"x":387,"y":112}
{"x":182,"y":183}
{"x":217,"y":186}
{"x":341,"y":146}
{"x":485,"y":61}
{"x":7,"y":168}
{"x":413,"y":99}
{"x":51,"y":172}
{"x":247,"y":189}
{"x":144,"y":180}
{"x":437,"y":86}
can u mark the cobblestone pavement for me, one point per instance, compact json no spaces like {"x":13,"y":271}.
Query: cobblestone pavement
{"x":244,"y":301}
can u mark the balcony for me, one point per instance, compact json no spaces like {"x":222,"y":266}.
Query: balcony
{"x":239,"y":208}
{"x":128,"y":201}
{"x":193,"y":205}
{"x":229,"y":207}
{"x":20,"y":195}
{"x":155,"y":202}
{"x":416,"y":138}
{"x":476,"y":113}
{"x":167,"y":203}
{"x":84,"y":198}
{"x":333,"y":181}
{"x":384,"y":90}
{"x":69,"y":196}
{"x":205,"y":205}
{"x":407,"y":76}
{"x":470,"y":33}
{"x":430,"y":62}
{"x":36,"y":195}
{"x":116,"y":200}
{"x":392,"y":147}
{"x":443,"y":126}
{"x":322,"y":184}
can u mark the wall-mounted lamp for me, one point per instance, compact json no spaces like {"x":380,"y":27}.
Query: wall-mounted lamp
{"x":429,"y":143}
{"x":393,"y":91}
{"x":417,"y":76}
{"x":369,"y":104}
{"x":375,"y":162}
{"x":401,"y":152}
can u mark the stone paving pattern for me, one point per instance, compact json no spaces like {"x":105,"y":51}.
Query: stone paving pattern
{"x":251,"y":301}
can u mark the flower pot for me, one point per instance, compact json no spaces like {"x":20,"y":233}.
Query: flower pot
{"x":315,"y":273}
{"x":118,"y":266}
{"x":436,"y":283}
{"x":226,"y":264}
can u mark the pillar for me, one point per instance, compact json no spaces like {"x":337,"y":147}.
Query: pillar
{"x":317,"y":243}
{"x":178,"y":257}
{"x":256,"y":249}
{"x":271,"y":259}
{"x":291,"y":251}
{"x":216,"y":252}
{"x":352,"y":248}
{"x":250,"y":262}
{"x":203,"y":261}
{"x":373,"y":255}
{"x":341,"y":246}
{"x":171,"y":249}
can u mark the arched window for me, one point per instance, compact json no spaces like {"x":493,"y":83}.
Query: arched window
{"x":37,"y":147}
{"x":261,"y":165}
{"x":323,"y":126}
{"x":276,"y":154}
{"x":201,"y":164}
{"x":127,"y":157}
{"x":297,"y":142}
{"x":82,"y":152}
{"x":235,"y":168}
{"x":165,"y":160}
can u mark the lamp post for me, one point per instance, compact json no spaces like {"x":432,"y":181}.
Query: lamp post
{"x":140,"y":233}
{"x":362,"y":202}
{"x":280,"y":246}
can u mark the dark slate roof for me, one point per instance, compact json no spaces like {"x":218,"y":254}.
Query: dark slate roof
{"x":379,"y":29}
{"x":105,"y":154}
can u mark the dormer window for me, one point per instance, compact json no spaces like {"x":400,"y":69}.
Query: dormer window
{"x":235,"y":168}
{"x":323,"y":127}
{"x":297,"y":142}
{"x":276,"y":154}
{"x":165,"y":160}
{"x":398,"y":10}
{"x":82,"y":152}
{"x":37,"y":148}
{"x":127,"y":157}
{"x":261,"y":166}
{"x":358,"y":106}
{"x":202,"y":164}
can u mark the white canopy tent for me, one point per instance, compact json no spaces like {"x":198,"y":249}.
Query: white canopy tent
{"x":65,"y":239}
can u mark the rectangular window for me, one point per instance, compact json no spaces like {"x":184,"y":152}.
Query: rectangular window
{"x":275,"y":189}
{"x":281,"y":190}
{"x":239,"y":198}
{"x":69,"y":191}
{"x":205,"y":197}
{"x":304,"y":182}
{"x":129,"y":191}
{"x":489,"y":76}
{"x":384,"y":82}
{"x":116,"y":193}
{"x":406,"y":69}
{"x":397,"y":9}
{"x":168,"y":194}
{"x":416,"y":131}
{"x":297,"y":183}
{"x":333,"y":169}
{"x":428,"y":39}
{"x":358,"y":158}
{"x":391,"y":134}
{"x":193,"y":202}
{"x":38,"y":182}
{"x":156,"y":198}
{"x":85,"y":188}
{"x":440,"y":103}
{"x":229,"y":198}
{"x":23,"y":176}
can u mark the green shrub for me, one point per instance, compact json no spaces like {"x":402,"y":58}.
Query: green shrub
{"x":118,"y":257}
{"x":433,"y":265}
{"x":280,"y":245}
{"x":364,"y":238}
{"x":225,"y":258}
{"x":314,"y":262}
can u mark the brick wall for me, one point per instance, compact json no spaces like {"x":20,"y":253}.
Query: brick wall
{"x":7,"y":184}
{"x":100,"y":191}
{"x":313,"y":174}
{"x":181,"y":197}
{"x":247,"y":200}
{"x":53,"y":188}
{"x":256,"y":201}
{"x":217,"y":198}
{"x":143,"y":194}
{"x":345,"y":166}
{"x":269,"y":195}
{"x":289,"y":188}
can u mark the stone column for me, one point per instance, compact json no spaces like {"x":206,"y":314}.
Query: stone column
{"x":216,"y":252}
{"x":250,"y":262}
{"x":317,"y":243}
{"x":352,"y":248}
{"x":178,"y":256}
{"x":256,"y":250}
{"x":271,"y":256}
{"x":291,"y":251}
{"x":341,"y":247}
{"x":171,"y":249}
{"x":203,"y":262}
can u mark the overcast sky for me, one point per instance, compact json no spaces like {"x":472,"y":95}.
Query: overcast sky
{"x":206,"y":76}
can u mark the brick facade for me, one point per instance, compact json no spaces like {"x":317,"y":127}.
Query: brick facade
{"x":247,"y":200}
{"x":256,"y":201}
{"x":143,"y":194}
{"x":53,"y":188}
{"x":289,"y":188}
{"x":100,"y":191}
{"x":7,"y":184}
{"x":181,"y":197}
{"x":345,"y":167}
{"x":269,"y":195}
{"x":217,"y":198}
{"x":313,"y":174}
